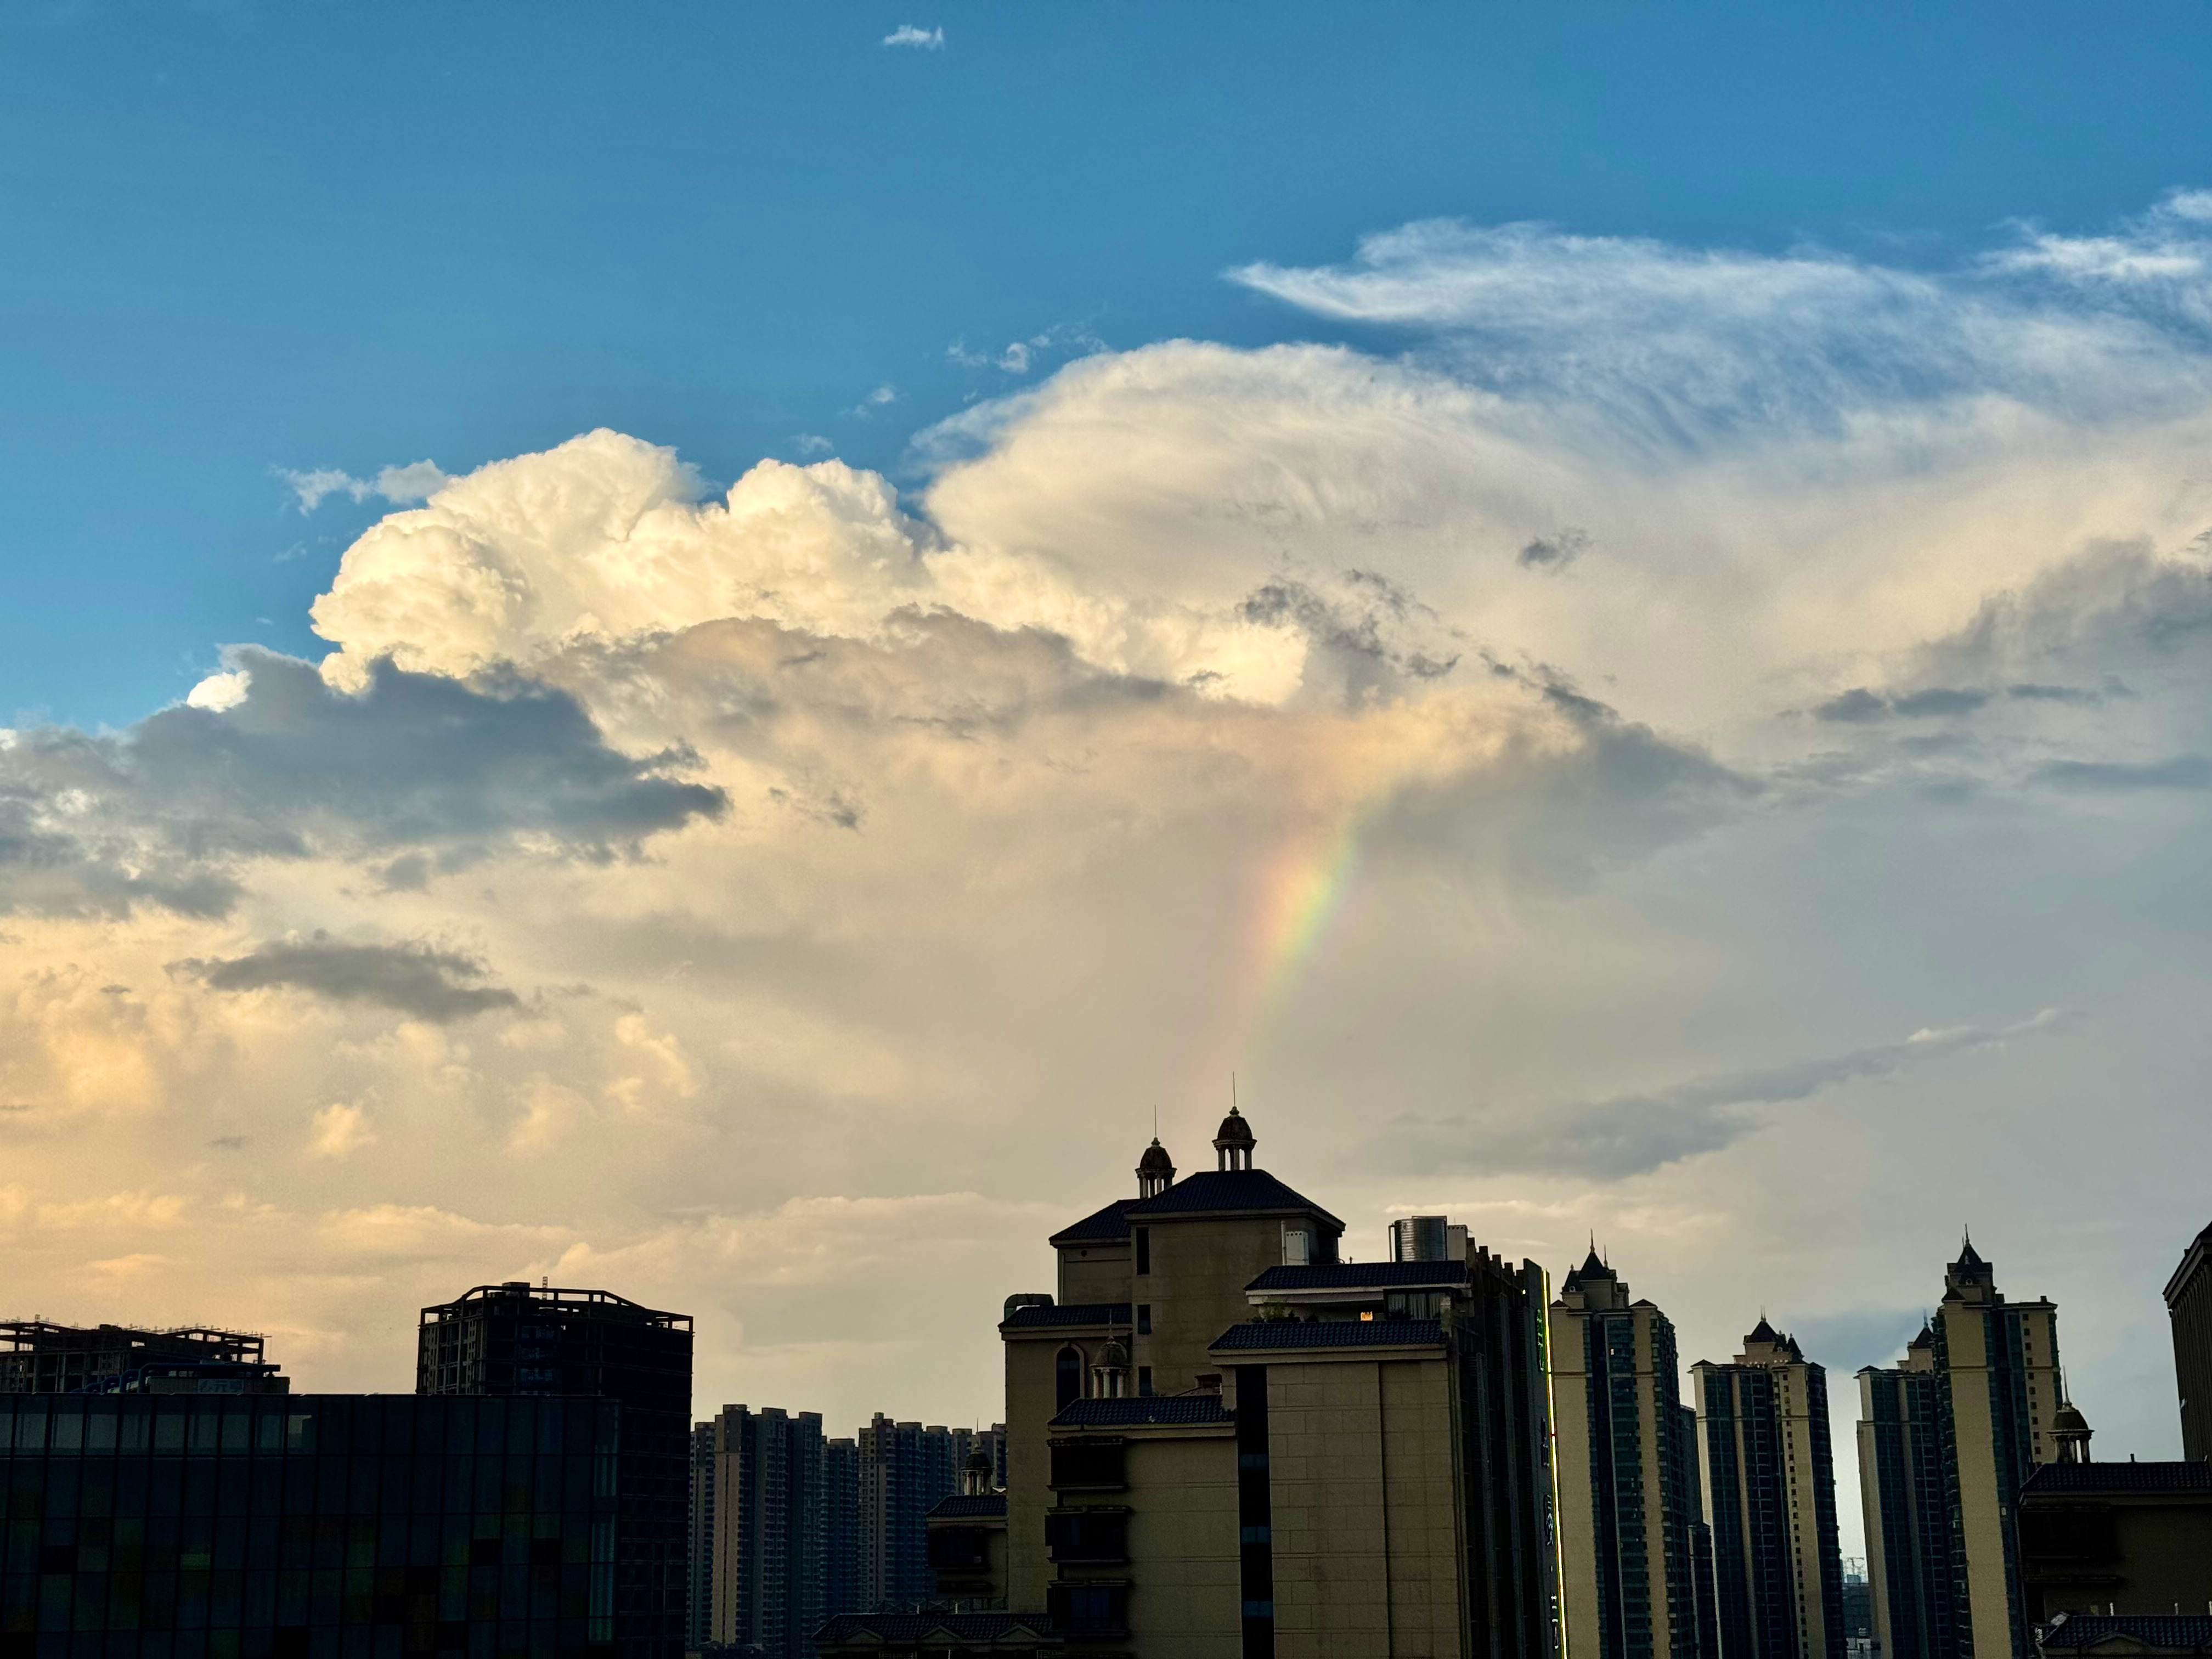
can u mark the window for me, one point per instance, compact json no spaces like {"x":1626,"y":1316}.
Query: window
{"x":1298,"y":1247}
{"x":1067,"y":1378}
{"x":1144,"y":1319}
{"x":1090,"y":1609}
{"x":1144,"y":1250}
{"x":1143,"y":1379}
{"x":1088,"y":1534}
{"x":1087,"y":1466}
{"x":959,"y":1549}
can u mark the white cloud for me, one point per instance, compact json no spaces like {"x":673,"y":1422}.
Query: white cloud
{"x":221,"y":691}
{"x":910,"y":34}
{"x":416,"y":481}
{"x":340,"y":1131}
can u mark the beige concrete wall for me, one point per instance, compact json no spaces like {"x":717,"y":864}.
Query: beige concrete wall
{"x":1030,"y":1409}
{"x":1094,"y":1272}
{"x":1196,"y":1291}
{"x":1365,"y":1527}
{"x":1186,"y":1601}
{"x":1966,"y":1335}
{"x":1571,"y":1471}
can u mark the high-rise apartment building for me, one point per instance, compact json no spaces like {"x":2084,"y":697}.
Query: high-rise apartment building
{"x":1905,"y":1494}
{"x":1632,"y":1530}
{"x":1224,"y":1442}
{"x":519,"y":1340}
{"x":842,"y":1590}
{"x":904,"y":1469}
{"x":768,"y":1577}
{"x":699,"y":1542}
{"x":1769,"y":1488}
{"x":1986,"y":1417}
{"x":2188,"y":1305}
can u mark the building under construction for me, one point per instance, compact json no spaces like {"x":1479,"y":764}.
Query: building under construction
{"x":40,"y":1357}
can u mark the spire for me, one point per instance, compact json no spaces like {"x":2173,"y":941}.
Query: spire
{"x":1967,"y":1258}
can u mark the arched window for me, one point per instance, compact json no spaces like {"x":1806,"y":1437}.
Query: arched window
{"x":1067,"y":1378}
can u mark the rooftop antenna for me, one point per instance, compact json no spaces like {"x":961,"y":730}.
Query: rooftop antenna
{"x":1232,"y":1092}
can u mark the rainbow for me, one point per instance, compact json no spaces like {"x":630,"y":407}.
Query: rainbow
{"x":1296,"y":892}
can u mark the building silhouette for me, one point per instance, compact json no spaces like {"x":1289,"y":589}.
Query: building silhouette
{"x":1972,"y":1411}
{"x":40,"y":1357}
{"x":2189,"y":1305}
{"x":841,"y":1590}
{"x":1770,"y":1487}
{"x":904,"y":1469}
{"x":768,"y":1577}
{"x":518,"y":1340}
{"x":1633,"y":1544}
{"x":288,"y":1526}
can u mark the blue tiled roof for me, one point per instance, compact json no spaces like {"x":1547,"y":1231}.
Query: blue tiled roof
{"x":1355,"y":1275}
{"x":2085,"y":1479}
{"x":1226,"y":1189}
{"x":912,"y":1626}
{"x":1099,"y":1227}
{"x":1071,"y":1313}
{"x":2075,"y":1633}
{"x":965,"y":1504}
{"x":1331,"y":1334}
{"x":1145,"y":1408}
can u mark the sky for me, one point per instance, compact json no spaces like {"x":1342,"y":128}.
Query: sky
{"x":705,"y":649}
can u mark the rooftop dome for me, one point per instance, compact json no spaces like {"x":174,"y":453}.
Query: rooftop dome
{"x":1113,"y":1356}
{"x":2067,"y":1420}
{"x":1234,"y":1141}
{"x":1155,"y":1157}
{"x":980,"y":1461}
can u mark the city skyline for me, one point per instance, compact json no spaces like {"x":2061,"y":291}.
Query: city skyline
{"x":726,"y":651}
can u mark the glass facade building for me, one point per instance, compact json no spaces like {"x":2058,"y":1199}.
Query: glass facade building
{"x":311,"y":1527}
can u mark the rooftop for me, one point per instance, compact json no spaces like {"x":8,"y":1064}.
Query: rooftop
{"x":1331,"y":1334}
{"x":969,"y":1504}
{"x":917,"y":1626}
{"x":1069,"y":1313}
{"x":1099,"y":1227}
{"x":1215,"y":1191}
{"x":2130,"y":1632}
{"x":1145,"y":1408}
{"x":2087,"y":1480}
{"x":1360,"y":1275}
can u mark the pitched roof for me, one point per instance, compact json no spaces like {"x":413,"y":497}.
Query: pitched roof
{"x":1357,"y":1275}
{"x":1068,"y":1312}
{"x":2130,"y":1633}
{"x":968,"y":1504}
{"x":1331,"y":1334}
{"x":2085,"y":1479}
{"x":1142,"y":1409}
{"x":1216,"y":1190}
{"x":1099,"y":1227}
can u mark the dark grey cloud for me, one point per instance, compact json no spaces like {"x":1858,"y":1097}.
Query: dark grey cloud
{"x":1859,"y":704}
{"x":1846,"y":1341}
{"x":1556,"y":551}
{"x":416,"y":980}
{"x":1369,"y":635}
{"x":164,"y":813}
{"x":2124,"y":777}
{"x":1633,"y":1134}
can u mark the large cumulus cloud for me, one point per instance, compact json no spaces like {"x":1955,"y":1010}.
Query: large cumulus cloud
{"x":1586,"y":663}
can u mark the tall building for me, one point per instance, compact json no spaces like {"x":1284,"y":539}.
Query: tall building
{"x":699,"y":1542}
{"x":2188,"y":1305}
{"x":904,"y":1469}
{"x":1904,"y":1495}
{"x":518,"y":1340}
{"x":768,"y":1573}
{"x":1224,"y":1441}
{"x":38,"y":1357}
{"x":1428,"y":1238}
{"x":1632,"y":1531}
{"x":149,"y":1526}
{"x":1987,"y":1416}
{"x":842,"y":1590}
{"x":1770,"y":1486}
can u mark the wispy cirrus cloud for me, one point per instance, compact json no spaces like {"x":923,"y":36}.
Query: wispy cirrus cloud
{"x":415,"y":481}
{"x":914,"y":36}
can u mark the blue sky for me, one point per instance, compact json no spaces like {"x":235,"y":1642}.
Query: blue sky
{"x":247,"y":237}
